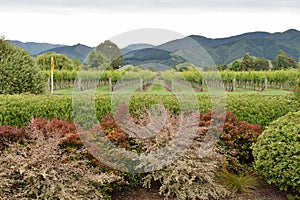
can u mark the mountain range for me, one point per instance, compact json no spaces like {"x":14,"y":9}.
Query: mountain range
{"x":221,"y":50}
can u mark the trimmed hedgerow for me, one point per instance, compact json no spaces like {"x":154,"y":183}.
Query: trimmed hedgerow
{"x":277,"y":153}
{"x":16,"y":110}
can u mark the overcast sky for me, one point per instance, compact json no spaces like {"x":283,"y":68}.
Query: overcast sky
{"x":91,"y":22}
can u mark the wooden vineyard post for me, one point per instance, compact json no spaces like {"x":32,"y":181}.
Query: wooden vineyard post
{"x":202,"y":84}
{"x":233,"y":85}
{"x":266,"y":84}
{"x":110,"y":85}
{"x":141,"y":82}
{"x":52,"y":72}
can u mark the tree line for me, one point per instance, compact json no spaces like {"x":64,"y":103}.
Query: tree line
{"x":249,"y":63}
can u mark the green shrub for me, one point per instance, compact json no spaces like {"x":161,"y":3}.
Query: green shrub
{"x":18,"y":71}
{"x":16,"y":110}
{"x":297,"y":88}
{"x":277,"y":153}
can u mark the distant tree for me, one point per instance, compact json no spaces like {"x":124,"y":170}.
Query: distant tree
{"x":96,"y":61}
{"x":76,"y":62}
{"x":222,"y":67}
{"x":173,"y":68}
{"x":183,"y":67}
{"x":283,"y":61}
{"x":18,"y":71}
{"x":235,"y":66}
{"x":112,"y":52}
{"x":247,"y":63}
{"x":61,"y":62}
{"x":151,"y":68}
{"x":261,"y":64}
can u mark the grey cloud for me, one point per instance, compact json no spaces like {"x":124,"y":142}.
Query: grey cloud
{"x":155,"y":5}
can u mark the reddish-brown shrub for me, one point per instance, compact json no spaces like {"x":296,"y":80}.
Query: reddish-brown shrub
{"x":10,"y":133}
{"x":235,"y":140}
{"x":47,"y":126}
{"x":113,"y":132}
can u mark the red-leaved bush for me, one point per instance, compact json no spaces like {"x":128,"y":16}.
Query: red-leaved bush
{"x":235,"y":140}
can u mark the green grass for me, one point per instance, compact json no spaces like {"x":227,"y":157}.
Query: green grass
{"x":239,"y":183}
{"x":268,"y":92}
{"x":156,"y":88}
{"x":159,"y":89}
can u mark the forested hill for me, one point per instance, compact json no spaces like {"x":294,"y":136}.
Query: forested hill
{"x":222,"y":50}
{"x":258,"y":44}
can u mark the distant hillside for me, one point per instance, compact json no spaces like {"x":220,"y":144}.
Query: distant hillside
{"x":79,"y":51}
{"x":152,"y":57}
{"x":226,"y":50}
{"x":221,"y":50}
{"x":134,"y":47}
{"x":34,"y":48}
{"x":258,"y":44}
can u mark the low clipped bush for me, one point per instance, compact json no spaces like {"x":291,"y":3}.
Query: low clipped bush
{"x":40,"y":168}
{"x":235,"y":139}
{"x":46,"y":159}
{"x":277,"y":154}
{"x":235,"y":142}
{"x":193,"y":174}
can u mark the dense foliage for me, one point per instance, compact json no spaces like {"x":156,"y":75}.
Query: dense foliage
{"x":255,"y":109}
{"x":283,"y":61}
{"x":101,"y":75}
{"x":43,"y":161}
{"x":96,"y":61}
{"x":192,"y":174}
{"x":18,"y":71}
{"x":254,"y":80}
{"x":235,"y":140}
{"x":112,"y":52}
{"x":277,"y":153}
{"x":61,"y":62}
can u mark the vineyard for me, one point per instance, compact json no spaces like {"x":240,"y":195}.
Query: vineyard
{"x":96,"y":130}
{"x":200,"y":81}
{"x":44,"y":134}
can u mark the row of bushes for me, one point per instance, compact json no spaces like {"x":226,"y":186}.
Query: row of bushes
{"x":58,"y":157}
{"x":56,"y":146}
{"x":16,"y":110}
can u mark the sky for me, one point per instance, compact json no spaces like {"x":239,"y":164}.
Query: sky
{"x":90,"y":22}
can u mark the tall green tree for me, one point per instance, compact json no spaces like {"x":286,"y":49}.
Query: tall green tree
{"x":18,"y":71}
{"x":247,"y":63}
{"x":96,"y":61}
{"x":77,"y":63}
{"x":283,"y":61}
{"x":235,"y":66}
{"x":112,"y":52}
{"x":261,"y":64}
{"x":61,"y":61}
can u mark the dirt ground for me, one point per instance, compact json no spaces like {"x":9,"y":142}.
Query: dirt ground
{"x":139,"y":193}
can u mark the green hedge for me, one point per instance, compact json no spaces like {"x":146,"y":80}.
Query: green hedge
{"x":277,"y":153}
{"x":255,"y":109}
